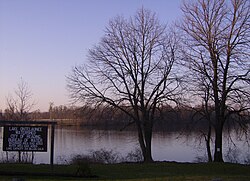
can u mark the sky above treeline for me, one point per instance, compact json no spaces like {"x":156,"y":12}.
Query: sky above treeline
{"x":41,"y":40}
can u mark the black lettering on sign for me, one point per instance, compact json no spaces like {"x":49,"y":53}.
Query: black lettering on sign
{"x":25,"y":138}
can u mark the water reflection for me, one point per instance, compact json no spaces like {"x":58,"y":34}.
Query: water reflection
{"x":70,"y":141}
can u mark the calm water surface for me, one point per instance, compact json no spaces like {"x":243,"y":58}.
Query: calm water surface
{"x":71,"y":141}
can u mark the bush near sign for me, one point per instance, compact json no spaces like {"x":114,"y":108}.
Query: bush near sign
{"x":25,"y":138}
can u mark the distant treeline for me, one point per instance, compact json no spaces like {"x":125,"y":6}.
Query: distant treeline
{"x":106,"y":117}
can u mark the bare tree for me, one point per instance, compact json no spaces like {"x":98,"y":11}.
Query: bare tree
{"x":130,"y":69}
{"x":19,"y":106}
{"x":217,"y":40}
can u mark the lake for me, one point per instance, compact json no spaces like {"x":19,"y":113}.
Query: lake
{"x":71,"y":141}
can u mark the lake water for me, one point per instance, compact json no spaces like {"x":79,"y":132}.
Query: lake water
{"x":71,"y":141}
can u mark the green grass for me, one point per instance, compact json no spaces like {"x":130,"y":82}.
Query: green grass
{"x":134,"y":172}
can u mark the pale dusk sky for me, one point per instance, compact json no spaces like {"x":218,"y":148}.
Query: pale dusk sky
{"x":41,"y":40}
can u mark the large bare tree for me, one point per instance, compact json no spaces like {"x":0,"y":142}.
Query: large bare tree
{"x":130,"y":69}
{"x":217,"y":40}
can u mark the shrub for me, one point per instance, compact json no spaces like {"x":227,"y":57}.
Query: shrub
{"x":134,"y":156}
{"x":247,"y":160}
{"x":82,"y":166}
{"x":105,"y":156}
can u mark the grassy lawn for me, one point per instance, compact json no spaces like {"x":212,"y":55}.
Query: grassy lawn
{"x":134,"y":172}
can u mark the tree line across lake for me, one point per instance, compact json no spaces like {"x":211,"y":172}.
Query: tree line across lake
{"x":107,"y":117}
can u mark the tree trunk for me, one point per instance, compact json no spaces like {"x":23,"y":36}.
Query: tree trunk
{"x":218,"y":144}
{"x":209,"y":154}
{"x":145,"y":142}
{"x":148,"y":140}
{"x":141,"y":140}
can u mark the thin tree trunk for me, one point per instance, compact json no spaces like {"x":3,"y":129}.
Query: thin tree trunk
{"x":19,"y":156}
{"x":218,"y":144}
{"x":209,"y":154}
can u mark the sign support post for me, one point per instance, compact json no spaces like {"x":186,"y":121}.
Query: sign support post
{"x":52,"y":146}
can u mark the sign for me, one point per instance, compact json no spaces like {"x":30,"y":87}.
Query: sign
{"x":25,"y":138}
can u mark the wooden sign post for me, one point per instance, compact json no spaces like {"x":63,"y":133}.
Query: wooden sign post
{"x":28,"y":136}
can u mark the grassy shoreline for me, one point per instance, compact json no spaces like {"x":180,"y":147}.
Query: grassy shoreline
{"x":130,"y":171}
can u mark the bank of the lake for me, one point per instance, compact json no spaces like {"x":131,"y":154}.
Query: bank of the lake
{"x":135,"y":171}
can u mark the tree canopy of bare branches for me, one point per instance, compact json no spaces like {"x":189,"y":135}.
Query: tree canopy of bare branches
{"x":19,"y":106}
{"x":217,"y":41}
{"x":130,"y":69}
